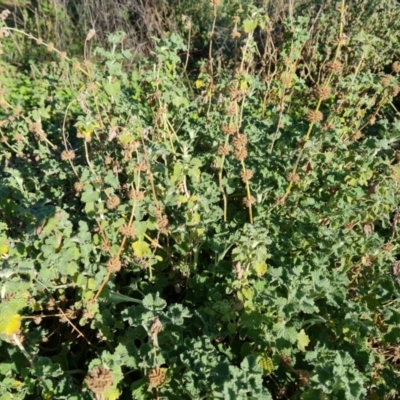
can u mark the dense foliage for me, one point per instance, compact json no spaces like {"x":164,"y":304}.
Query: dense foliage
{"x":221,"y":226}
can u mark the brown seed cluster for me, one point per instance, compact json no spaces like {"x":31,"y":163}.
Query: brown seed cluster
{"x":114,"y":265}
{"x":162,"y":220}
{"x":293,"y":177}
{"x":224,"y":150}
{"x":322,"y":92}
{"x":232,"y":108}
{"x":334,"y":67}
{"x":394,"y":91}
{"x":99,"y":379}
{"x":156,"y":377}
{"x":37,"y":129}
{"x":68,"y":155}
{"x":367,"y":260}
{"x":315,"y":116}
{"x":105,"y":246}
{"x":235,"y":34}
{"x":113,"y":202}
{"x":128,"y":231}
{"x":356,"y":136}
{"x":249,"y":201}
{"x":230,"y":129}
{"x":239,"y":144}
{"x":396,"y":67}
{"x":141,"y":167}
{"x":136,"y":195}
{"x":386,"y":80}
{"x":236,"y":94}
{"x":78,"y":187}
{"x":4,"y":14}
{"x":246,"y":175}
{"x":240,"y":153}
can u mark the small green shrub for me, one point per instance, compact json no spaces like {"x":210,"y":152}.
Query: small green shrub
{"x":223,"y":232}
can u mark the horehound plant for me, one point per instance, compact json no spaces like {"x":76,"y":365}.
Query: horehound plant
{"x":323,"y":92}
{"x":142,"y":282}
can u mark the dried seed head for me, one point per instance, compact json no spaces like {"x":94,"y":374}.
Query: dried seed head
{"x":356,"y":136}
{"x":224,"y":150}
{"x":99,"y":380}
{"x":113,"y":202}
{"x":246,"y":175}
{"x":394,"y":91}
{"x":156,"y":377}
{"x":240,"y":141}
{"x":334,"y":67}
{"x":141,"y":167}
{"x":396,"y":67}
{"x":136,"y":195}
{"x":388,"y":247}
{"x":105,"y":246}
{"x":240,"y":154}
{"x":249,"y":201}
{"x":386,"y":80}
{"x":230,"y":129}
{"x":367,"y":260}
{"x":90,"y":35}
{"x":87,"y":64}
{"x":322,"y":92}
{"x":368,"y":229}
{"x":78,"y":186}
{"x":19,"y":138}
{"x":114,"y":265}
{"x":4,"y":14}
{"x":163,"y":224}
{"x":39,"y":41}
{"x":50,"y":47}
{"x":67,"y":155}
{"x":128,"y":231}
{"x":372,"y":120}
{"x":98,"y":180}
{"x":235,"y":34}
{"x":291,"y":177}
{"x":304,"y":376}
{"x":315,"y":116}
{"x":232,"y":108}
{"x":327,"y":126}
{"x":4,"y":33}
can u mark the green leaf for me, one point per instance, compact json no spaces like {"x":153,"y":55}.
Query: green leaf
{"x":302,"y":340}
{"x":154,"y":302}
{"x":141,"y":248}
{"x":249,"y":25}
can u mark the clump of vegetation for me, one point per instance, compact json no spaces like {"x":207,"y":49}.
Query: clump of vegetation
{"x":220,"y":228}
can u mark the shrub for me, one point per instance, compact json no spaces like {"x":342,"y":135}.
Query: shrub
{"x":226,"y":232}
